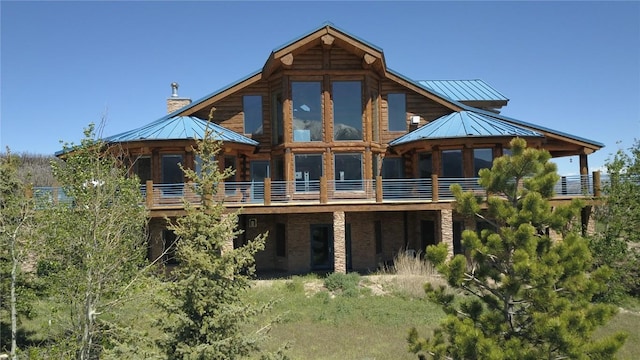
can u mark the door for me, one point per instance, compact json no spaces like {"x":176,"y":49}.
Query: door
{"x":259,"y":171}
{"x":428,"y":234}
{"x":321,"y":247}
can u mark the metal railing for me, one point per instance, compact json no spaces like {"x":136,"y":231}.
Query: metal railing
{"x":320,"y":191}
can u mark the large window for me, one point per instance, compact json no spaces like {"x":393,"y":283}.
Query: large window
{"x":308,"y":170}
{"x":171,"y":172}
{"x":375,"y":117}
{"x":252,"y":109}
{"x":277,"y":125}
{"x":425,"y":165}
{"x":199,"y":162}
{"x":392,"y":168}
{"x":397,"y":112}
{"x":347,"y":110}
{"x":482,"y":159}
{"x":142,"y":168}
{"x":452,"y":164}
{"x":307,"y":111}
{"x":348,"y":171}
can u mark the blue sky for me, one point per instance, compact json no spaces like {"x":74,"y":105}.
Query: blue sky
{"x":569,"y":66}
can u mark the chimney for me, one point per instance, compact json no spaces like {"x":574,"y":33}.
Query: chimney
{"x":175,"y":102}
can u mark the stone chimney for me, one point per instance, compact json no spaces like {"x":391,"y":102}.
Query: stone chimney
{"x":175,"y":102}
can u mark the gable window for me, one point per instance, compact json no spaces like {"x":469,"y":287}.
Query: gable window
{"x":397,"y":112}
{"x":252,"y":109}
{"x":482,"y":159}
{"x":307,"y":110}
{"x":308,"y":169}
{"x":347,"y":110}
{"x":348,"y":172}
{"x":452,"y":164}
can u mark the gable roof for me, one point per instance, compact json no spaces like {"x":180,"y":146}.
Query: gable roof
{"x":449,"y":93}
{"x":180,"y":128}
{"x":464,"y":124}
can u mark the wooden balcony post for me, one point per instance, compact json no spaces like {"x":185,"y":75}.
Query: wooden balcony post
{"x":54,"y":194}
{"x":434,"y":188}
{"x":323,"y":190}
{"x":584,"y":173}
{"x":267,"y":191}
{"x":379,"y":195}
{"x":597,"y":186}
{"x":149,"y":193}
{"x":220,"y":193}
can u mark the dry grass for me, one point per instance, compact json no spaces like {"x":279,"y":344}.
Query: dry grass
{"x":410,"y":272}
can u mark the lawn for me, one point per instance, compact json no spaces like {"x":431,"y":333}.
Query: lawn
{"x":369,"y":321}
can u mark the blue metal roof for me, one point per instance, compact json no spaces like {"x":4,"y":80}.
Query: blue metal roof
{"x":180,"y":127}
{"x":464,"y":124}
{"x":464,"y":90}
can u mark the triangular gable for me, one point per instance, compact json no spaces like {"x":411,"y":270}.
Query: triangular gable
{"x":327,"y":35}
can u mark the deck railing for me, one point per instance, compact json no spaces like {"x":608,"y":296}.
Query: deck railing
{"x":270,"y":192}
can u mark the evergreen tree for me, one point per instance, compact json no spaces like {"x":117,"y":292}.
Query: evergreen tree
{"x":95,"y":245}
{"x":618,"y":219}
{"x":205,"y":315}
{"x":524,"y":295}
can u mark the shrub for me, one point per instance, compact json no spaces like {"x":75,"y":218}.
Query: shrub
{"x":346,"y":283}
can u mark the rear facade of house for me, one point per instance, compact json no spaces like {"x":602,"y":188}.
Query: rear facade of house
{"x":343,"y":161}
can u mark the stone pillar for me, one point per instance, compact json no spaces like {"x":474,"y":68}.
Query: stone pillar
{"x":228,"y":243}
{"x":339,"y":243}
{"x":156,"y":243}
{"x":588,"y":221}
{"x":446,"y":229}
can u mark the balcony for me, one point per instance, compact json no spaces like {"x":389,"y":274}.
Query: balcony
{"x":323,"y":191}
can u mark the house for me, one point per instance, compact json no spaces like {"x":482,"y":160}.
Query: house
{"x":342,"y":160}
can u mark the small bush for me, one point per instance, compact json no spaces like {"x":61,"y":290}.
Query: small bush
{"x":346,"y":283}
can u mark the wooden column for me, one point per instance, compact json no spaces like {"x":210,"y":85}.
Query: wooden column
{"x":597,"y":184}
{"x":434,"y":188}
{"x":323,"y":190}
{"x":584,"y":173}
{"x":267,"y":191}
{"x":379,"y":195}
{"x":149,"y":194}
{"x":339,"y":243}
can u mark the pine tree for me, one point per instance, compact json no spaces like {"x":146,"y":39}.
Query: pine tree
{"x":524,"y":295}
{"x":205,"y":315}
